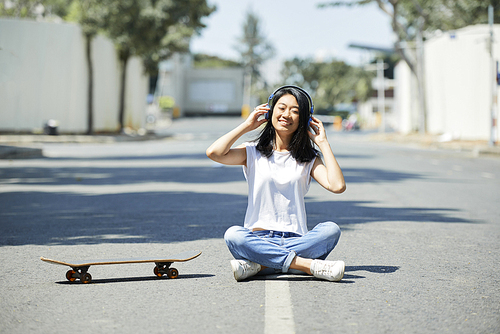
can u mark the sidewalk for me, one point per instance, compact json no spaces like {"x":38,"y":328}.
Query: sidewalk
{"x":433,"y":142}
{"x":30,"y":146}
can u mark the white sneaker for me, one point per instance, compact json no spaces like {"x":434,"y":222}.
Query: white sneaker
{"x":329,"y":270}
{"x":243,"y":269}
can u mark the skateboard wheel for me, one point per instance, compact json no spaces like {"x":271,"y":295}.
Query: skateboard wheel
{"x":86,"y":278}
{"x":69,"y":275}
{"x":157,"y":272}
{"x":173,"y":273}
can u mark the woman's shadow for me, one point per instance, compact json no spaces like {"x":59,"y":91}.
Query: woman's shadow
{"x":348,"y":278}
{"x":371,"y":269}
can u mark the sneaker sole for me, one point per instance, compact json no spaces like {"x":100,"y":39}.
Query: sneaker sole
{"x":343,"y":271}
{"x":234,"y":268}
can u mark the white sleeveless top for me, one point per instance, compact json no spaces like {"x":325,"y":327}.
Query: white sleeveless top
{"x":276,"y":189}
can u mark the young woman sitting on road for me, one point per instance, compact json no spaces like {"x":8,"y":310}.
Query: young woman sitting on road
{"x":278,"y":167}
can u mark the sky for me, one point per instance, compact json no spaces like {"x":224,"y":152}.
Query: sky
{"x":296,"y":28}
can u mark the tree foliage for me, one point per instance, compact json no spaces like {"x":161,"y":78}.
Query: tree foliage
{"x":253,"y":46}
{"x":89,"y":15}
{"x":34,"y":8}
{"x":408,"y":17}
{"x":329,"y":83}
{"x":201,"y":60}
{"x":151,"y":29}
{"x":411,"y":19}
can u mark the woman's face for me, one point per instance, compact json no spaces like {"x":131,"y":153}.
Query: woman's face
{"x":286,"y":114}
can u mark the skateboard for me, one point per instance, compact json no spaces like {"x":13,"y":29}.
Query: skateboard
{"x":79,"y":270}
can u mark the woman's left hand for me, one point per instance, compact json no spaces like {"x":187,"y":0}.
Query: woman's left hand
{"x":319,"y":134}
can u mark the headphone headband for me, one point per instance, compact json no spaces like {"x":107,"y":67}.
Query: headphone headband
{"x":311,"y":105}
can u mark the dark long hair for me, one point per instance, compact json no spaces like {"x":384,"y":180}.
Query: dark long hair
{"x":301,"y":146}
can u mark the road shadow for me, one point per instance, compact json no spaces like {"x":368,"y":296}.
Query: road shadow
{"x":347,"y":279}
{"x":362,"y":212}
{"x":134,"y":279}
{"x":126,"y":174}
{"x":296,"y":278}
{"x":50,"y":217}
{"x":74,"y":219}
{"x":177,"y":156}
{"x":373,"y":269}
{"x":121,"y":170}
{"x":163,"y":217}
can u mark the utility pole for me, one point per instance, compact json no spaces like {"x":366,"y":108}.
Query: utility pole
{"x":381,"y":93}
{"x":380,"y":83}
{"x":493,"y":82}
{"x":247,"y":91}
{"x":420,"y":77}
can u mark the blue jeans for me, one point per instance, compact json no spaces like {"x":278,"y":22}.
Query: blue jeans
{"x":274,"y":249}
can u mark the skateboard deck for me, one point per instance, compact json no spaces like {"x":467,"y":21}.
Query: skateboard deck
{"x":79,"y":269}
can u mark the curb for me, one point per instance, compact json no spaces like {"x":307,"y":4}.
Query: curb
{"x":475,"y":147}
{"x":17,"y":146}
{"x":16,"y":152}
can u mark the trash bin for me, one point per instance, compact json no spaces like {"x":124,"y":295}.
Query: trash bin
{"x":51,"y":127}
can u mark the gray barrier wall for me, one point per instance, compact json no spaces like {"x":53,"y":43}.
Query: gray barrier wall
{"x":43,"y":75}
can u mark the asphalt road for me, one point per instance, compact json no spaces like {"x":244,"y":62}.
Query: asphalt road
{"x":421,"y":241}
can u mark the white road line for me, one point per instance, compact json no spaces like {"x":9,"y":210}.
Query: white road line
{"x":279,"y":312}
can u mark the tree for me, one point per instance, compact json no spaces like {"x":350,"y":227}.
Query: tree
{"x":151,"y":29}
{"x":254,"y":49}
{"x":201,"y":60}
{"x":32,"y":9}
{"x":89,"y":14}
{"x":411,"y":18}
{"x":329,"y":83}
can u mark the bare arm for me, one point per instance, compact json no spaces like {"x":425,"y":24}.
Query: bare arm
{"x":328,"y":173}
{"x":221,"y":150}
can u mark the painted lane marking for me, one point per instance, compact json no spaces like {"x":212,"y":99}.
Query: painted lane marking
{"x":279,"y":312}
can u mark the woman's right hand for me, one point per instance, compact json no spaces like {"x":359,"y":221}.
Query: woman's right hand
{"x":221,"y":150}
{"x":256,"y":118}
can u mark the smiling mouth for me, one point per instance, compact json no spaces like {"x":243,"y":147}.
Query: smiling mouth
{"x":284,"y":122}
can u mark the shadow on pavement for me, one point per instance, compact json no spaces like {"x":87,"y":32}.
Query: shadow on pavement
{"x":96,"y":214}
{"x":162,"y":217}
{"x":362,"y":212}
{"x":347,"y":277}
{"x":299,"y":278}
{"x":373,"y":269}
{"x":195,"y":156}
{"x":133,"y":279}
{"x":131,"y":174}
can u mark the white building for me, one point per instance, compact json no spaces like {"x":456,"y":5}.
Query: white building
{"x":458,"y":85}
{"x":200,"y":91}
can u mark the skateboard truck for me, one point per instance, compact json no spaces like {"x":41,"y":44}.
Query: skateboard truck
{"x":163,"y":268}
{"x":80,"y":273}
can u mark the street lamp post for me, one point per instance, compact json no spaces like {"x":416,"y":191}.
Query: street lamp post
{"x":381,"y":93}
{"x":493,"y":81}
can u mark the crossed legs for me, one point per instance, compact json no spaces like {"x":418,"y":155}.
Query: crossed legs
{"x":283,"y":252}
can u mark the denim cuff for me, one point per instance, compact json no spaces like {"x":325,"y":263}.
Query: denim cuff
{"x":288,"y":261}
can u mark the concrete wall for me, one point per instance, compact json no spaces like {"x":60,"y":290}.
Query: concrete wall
{"x":458,"y":77}
{"x":171,"y":79}
{"x":210,"y":91}
{"x":201,"y":91}
{"x":406,"y":104}
{"x":458,"y":85}
{"x":43,"y":75}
